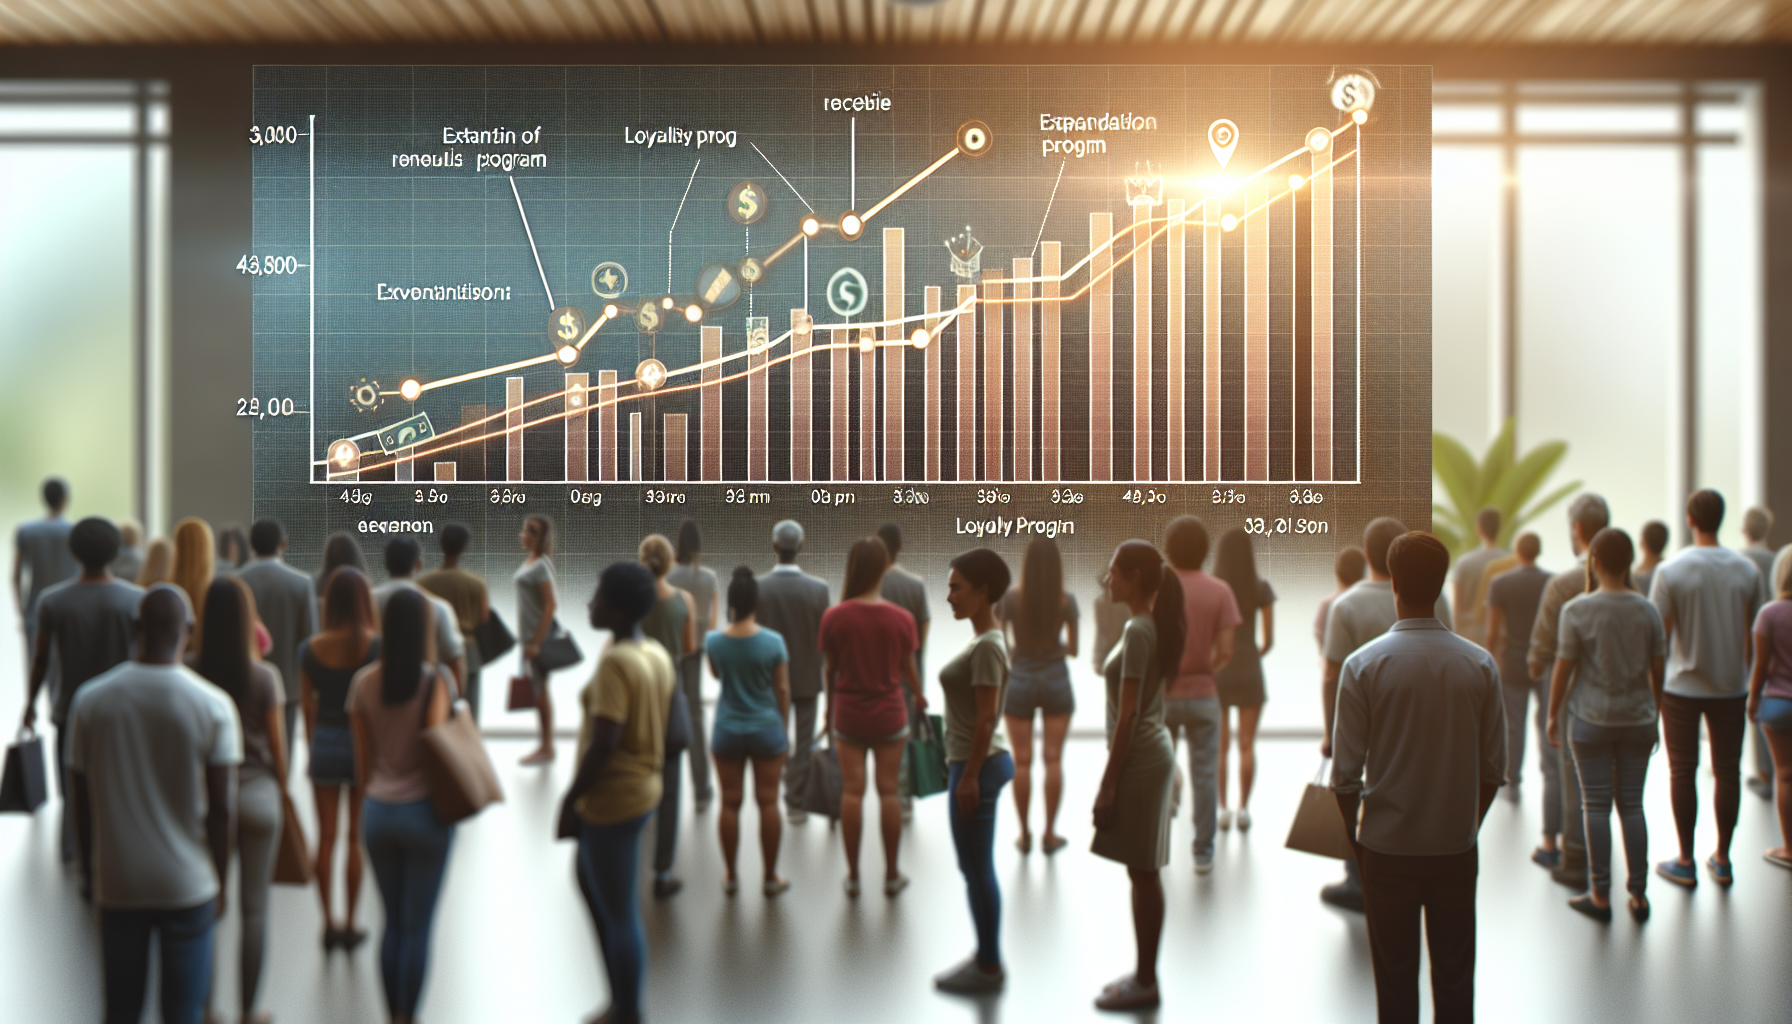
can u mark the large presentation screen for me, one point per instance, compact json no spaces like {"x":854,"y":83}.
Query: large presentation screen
{"x":988,"y":303}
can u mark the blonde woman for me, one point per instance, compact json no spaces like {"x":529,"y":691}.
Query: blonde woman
{"x":195,"y":564}
{"x":158,"y":563}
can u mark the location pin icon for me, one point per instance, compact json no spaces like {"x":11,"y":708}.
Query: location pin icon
{"x":1222,"y":135}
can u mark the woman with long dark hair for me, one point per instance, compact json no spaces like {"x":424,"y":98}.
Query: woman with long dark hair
{"x":868,"y":656}
{"x":231,"y":659}
{"x":1132,"y":808}
{"x":340,"y":550}
{"x":752,"y":722}
{"x":328,"y":662}
{"x":393,"y":701}
{"x":1240,"y":680}
{"x":1040,"y":618}
{"x":536,"y":602}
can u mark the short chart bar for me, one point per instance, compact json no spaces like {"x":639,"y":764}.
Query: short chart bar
{"x":404,"y":466}
{"x":578,"y":427}
{"x":513,"y":429}
{"x":895,"y":355}
{"x":993,"y":420}
{"x":1141,"y":341}
{"x":1256,"y":331}
{"x":1101,"y":347}
{"x":1051,"y":255}
{"x":1210,"y":339}
{"x":1023,"y":369}
{"x":1176,"y":341}
{"x":802,"y":397}
{"x":759,"y":412}
{"x":709,"y":405}
{"x":1323,"y":339}
{"x":839,"y":397}
{"x":674,"y":426}
{"x":867,"y":404}
{"x":607,"y":442}
{"x":634,"y":448}
{"x":444,"y":472}
{"x":930,"y":386}
{"x":965,"y":425}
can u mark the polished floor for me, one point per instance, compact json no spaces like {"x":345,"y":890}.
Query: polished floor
{"x":1248,"y":943}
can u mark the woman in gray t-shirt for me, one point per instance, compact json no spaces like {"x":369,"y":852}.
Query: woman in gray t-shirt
{"x":1608,"y":679}
{"x":536,"y":602}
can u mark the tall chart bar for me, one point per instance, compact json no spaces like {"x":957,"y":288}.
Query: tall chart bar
{"x":1051,"y":255}
{"x":839,"y":410}
{"x":993,"y":420}
{"x":1323,"y":338}
{"x":930,"y":386}
{"x":472,"y":457}
{"x":965,"y":423}
{"x":1176,"y":340}
{"x":513,"y":429}
{"x":895,"y":355}
{"x":404,"y":465}
{"x":1023,"y":369}
{"x":578,"y":427}
{"x":673,"y":430}
{"x":635,"y":473}
{"x":1101,"y":347}
{"x":867,"y":404}
{"x":709,"y":404}
{"x":802,"y":397}
{"x":1210,"y":339}
{"x":607,"y":441}
{"x":1141,"y":341}
{"x":1256,"y":331}
{"x":759,"y":412}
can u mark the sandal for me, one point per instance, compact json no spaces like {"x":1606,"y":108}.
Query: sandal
{"x":852,"y":888}
{"x":1128,"y":994}
{"x":1053,"y":843}
{"x":775,"y":886}
{"x":1777,"y":858}
{"x":1025,"y":843}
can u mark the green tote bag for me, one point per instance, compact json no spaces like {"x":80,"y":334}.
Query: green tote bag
{"x":927,"y":757}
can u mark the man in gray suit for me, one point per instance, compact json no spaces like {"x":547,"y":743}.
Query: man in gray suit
{"x":287,"y":603}
{"x":791,"y":603}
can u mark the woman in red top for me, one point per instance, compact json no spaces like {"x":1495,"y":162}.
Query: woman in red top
{"x":868,"y":653}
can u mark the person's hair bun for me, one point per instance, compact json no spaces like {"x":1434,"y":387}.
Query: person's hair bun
{"x":743,"y":572}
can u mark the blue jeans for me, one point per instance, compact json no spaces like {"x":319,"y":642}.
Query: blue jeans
{"x":408,"y":846}
{"x":186,"y":961}
{"x":974,"y":836}
{"x":1614,"y":760}
{"x":1200,"y":720}
{"x":609,"y":859}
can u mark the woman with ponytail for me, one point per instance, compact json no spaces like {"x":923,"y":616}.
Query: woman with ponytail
{"x":1132,"y":809}
{"x":752,"y":721}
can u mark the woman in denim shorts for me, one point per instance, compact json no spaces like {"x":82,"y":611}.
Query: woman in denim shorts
{"x":752,"y":720}
{"x":1041,"y":621}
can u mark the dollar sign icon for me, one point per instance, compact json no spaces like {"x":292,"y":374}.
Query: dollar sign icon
{"x":567,"y":323}
{"x":746,"y":202}
{"x":647,"y":318}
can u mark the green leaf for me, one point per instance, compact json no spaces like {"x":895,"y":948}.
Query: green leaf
{"x":1495,"y":464}
{"x":1456,"y":469}
{"x":1545,"y":503}
{"x":1452,"y":540}
{"x":1522,"y":482}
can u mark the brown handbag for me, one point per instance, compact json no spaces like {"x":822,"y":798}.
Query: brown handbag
{"x":522,"y":694}
{"x":1318,"y":827}
{"x":293,"y":864}
{"x":461,"y":778}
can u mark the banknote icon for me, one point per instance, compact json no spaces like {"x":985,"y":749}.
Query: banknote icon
{"x":717,"y":286}
{"x":406,"y":433}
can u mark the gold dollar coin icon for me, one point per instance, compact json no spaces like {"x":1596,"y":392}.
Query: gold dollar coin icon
{"x":747,"y":202}
{"x":751,"y":270}
{"x":649,"y":318}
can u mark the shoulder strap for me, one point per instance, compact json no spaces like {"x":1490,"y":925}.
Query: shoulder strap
{"x":426,"y":696}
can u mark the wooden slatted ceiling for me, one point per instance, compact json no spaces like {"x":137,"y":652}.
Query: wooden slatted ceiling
{"x":1448,"y":22}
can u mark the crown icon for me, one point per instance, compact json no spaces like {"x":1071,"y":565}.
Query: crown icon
{"x":1144,"y":189}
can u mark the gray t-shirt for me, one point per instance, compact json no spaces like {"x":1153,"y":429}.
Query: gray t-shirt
{"x":287,"y":605}
{"x":449,"y":644}
{"x":791,"y":603}
{"x":91,"y":628}
{"x":1469,"y":568}
{"x":701,"y":584}
{"x":1611,"y":638}
{"x":143,"y":736}
{"x":909,"y":592}
{"x":529,"y":604}
{"x":1362,"y":613}
{"x":45,"y":558}
{"x":1711,"y":595}
{"x":1516,"y":594}
{"x":983,"y":662}
{"x":128,"y":564}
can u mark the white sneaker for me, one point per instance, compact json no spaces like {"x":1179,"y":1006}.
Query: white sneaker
{"x":1203,"y":864}
{"x":1244,"y":819}
{"x":1176,"y":793}
{"x":797,"y":817}
{"x":1225,"y":819}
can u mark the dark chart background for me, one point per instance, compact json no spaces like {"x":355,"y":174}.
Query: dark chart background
{"x":600,"y":199}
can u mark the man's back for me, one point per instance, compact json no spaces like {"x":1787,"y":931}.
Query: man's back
{"x":1361,"y":614}
{"x":1562,"y":587}
{"x":1517,"y":594}
{"x":287,"y":604}
{"x":1763,"y":557}
{"x":143,"y":736}
{"x":464,"y":591}
{"x":1710,"y":596}
{"x":1421,"y":716}
{"x":92,"y":628}
{"x":45,"y":558}
{"x":791,"y":603}
{"x":1471,"y":614}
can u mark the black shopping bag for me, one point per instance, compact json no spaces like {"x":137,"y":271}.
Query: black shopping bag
{"x":1318,"y":824}
{"x":821,"y":792}
{"x":22,"y":788}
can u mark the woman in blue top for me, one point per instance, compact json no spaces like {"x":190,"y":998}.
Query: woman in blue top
{"x":752,"y":720}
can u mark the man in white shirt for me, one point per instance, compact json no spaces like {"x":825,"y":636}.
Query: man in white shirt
{"x":404,"y":560}
{"x":152,"y":757}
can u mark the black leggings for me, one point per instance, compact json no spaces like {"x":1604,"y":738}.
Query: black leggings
{"x":1726,"y":720}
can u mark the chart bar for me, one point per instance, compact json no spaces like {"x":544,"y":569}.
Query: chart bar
{"x":673,"y":431}
{"x":895,"y":356}
{"x":993,"y":419}
{"x":1324,"y":339}
{"x":444,"y":472}
{"x":1141,"y":341}
{"x":607,"y":442}
{"x":1101,"y":348}
{"x":473,"y":455}
{"x":1051,"y":255}
{"x":635,"y":474}
{"x":802,"y":397}
{"x":867,"y":404}
{"x":578,"y":427}
{"x":1176,"y":341}
{"x":404,"y":466}
{"x":513,"y":429}
{"x":930,"y":386}
{"x":839,"y":404}
{"x":709,"y":403}
{"x":759,"y":413}
{"x":1023,"y":369}
{"x":1256,"y":332}
{"x":965,"y":423}
{"x":1210,"y":339}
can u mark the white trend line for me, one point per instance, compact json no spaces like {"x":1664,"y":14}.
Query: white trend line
{"x":674,"y":227}
{"x":544,"y":274}
{"x":780,"y":174}
{"x":1048,"y":207}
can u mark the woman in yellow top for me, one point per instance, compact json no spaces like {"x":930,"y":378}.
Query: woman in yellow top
{"x":622,"y":747}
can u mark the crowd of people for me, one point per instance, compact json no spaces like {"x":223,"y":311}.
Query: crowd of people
{"x":179,"y":671}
